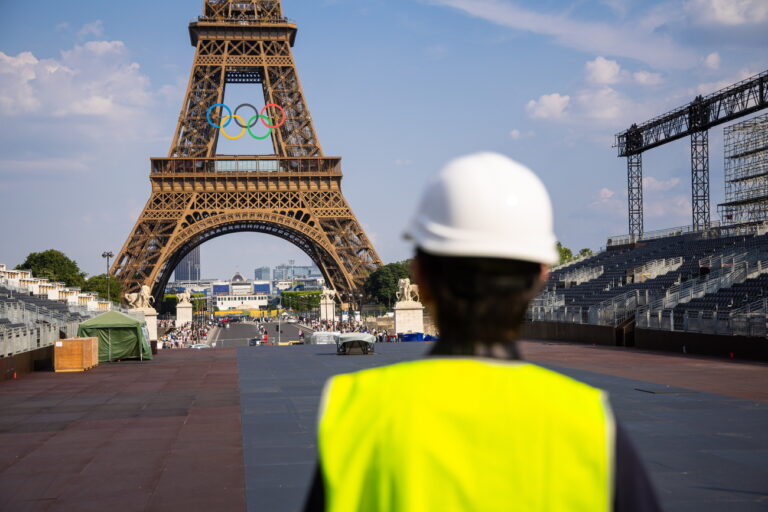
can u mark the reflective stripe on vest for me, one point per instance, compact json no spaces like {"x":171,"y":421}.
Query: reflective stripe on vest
{"x":448,"y":435}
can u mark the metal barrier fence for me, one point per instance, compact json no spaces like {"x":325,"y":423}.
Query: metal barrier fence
{"x":750,"y":320}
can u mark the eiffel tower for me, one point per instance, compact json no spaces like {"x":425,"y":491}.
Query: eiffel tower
{"x":197,"y":195}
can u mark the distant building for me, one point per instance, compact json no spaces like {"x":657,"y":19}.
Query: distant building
{"x":262,"y":287}
{"x":289,"y":272}
{"x":262,"y":274}
{"x":189,"y":267}
{"x":240,"y":302}
{"x":239,"y":286}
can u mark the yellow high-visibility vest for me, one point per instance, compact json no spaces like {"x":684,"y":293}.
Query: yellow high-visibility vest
{"x":460,"y":434}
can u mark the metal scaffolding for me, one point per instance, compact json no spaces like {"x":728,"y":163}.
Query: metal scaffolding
{"x":746,"y":172}
{"x":693,"y":119}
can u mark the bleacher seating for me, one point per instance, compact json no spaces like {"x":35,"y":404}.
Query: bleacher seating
{"x":29,"y":319}
{"x":616,"y":279}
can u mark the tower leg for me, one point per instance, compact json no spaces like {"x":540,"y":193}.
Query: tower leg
{"x":700,"y":179}
{"x":635,"y":189}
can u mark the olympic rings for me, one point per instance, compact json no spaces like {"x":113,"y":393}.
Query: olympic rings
{"x":249,"y":125}
{"x":229,"y":118}
{"x":208,"y":115}
{"x":282,"y":111}
{"x":263,"y":118}
{"x":260,"y":115}
{"x":245,"y":127}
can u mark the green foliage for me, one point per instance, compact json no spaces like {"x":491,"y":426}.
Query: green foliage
{"x":170,"y":301}
{"x":54,"y":265}
{"x":98,"y":284}
{"x":168,"y":305}
{"x":381,"y":285}
{"x":566,"y":254}
{"x":199,"y":302}
{"x":301,"y":301}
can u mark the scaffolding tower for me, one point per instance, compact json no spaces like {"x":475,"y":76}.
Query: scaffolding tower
{"x":746,"y":172}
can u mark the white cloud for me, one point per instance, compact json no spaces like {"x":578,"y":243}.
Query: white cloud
{"x":94,"y":79}
{"x":548,"y":106}
{"x":676,"y":210}
{"x":710,"y":87}
{"x":603,"y":71}
{"x":630,"y":40}
{"x":606,"y":202}
{"x":604,"y":104}
{"x":91,"y":97}
{"x":728,"y":12}
{"x":620,"y":7}
{"x":647,"y":78}
{"x":651,"y":184}
{"x":712,"y":61}
{"x":95,"y":29}
{"x":516,"y":134}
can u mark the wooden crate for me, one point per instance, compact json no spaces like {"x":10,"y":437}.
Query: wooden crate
{"x":76,"y":354}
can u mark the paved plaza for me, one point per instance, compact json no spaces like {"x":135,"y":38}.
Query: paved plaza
{"x":234,"y":428}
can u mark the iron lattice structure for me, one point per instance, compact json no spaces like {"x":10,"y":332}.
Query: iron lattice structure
{"x":198,"y":195}
{"x":694,"y":120}
{"x":746,"y":172}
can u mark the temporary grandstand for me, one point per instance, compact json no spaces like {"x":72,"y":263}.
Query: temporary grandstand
{"x":701,"y":288}
{"x":678,"y":288}
{"x":34,"y":313}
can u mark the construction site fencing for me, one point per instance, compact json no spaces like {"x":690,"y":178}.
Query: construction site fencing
{"x":19,"y":339}
{"x":566,"y":314}
{"x":580,"y":276}
{"x":620,"y":308}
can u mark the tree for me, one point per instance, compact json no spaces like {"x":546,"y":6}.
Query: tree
{"x":585,"y":253}
{"x":54,"y":265}
{"x":301,"y":301}
{"x":566,"y":254}
{"x":381,"y":285}
{"x":98,"y":284}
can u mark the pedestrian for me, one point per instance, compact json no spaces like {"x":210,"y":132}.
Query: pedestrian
{"x":473,"y":427}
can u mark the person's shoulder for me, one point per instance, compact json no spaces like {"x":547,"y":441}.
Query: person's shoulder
{"x":554,"y":378}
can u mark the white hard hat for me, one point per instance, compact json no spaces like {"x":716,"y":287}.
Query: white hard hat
{"x":486,"y":205}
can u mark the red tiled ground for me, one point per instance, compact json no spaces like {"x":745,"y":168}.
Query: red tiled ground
{"x":166,"y":435}
{"x":737,"y":379}
{"x":157,"y":436}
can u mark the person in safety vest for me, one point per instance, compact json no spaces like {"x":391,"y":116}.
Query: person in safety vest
{"x":473,"y":427}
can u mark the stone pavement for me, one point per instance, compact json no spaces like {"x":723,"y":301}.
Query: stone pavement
{"x":167,"y":435}
{"x":705,"y":452}
{"x":156,"y":436}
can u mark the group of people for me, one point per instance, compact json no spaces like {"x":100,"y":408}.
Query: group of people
{"x":336,"y":326}
{"x":186,"y":335}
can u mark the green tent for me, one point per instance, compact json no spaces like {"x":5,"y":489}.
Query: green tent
{"x":120,"y":336}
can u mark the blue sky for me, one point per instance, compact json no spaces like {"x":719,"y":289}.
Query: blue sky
{"x":90,"y":91}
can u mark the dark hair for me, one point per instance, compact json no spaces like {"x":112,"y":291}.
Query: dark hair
{"x":478,"y":302}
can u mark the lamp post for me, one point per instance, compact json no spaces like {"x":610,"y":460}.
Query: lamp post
{"x":108,"y":255}
{"x":279,"y":329}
